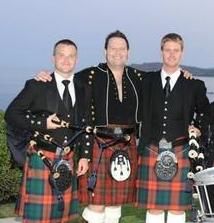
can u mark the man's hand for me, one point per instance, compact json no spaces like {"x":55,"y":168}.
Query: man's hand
{"x":51,"y":124}
{"x":197,"y":132}
{"x":43,"y":76}
{"x":82,"y":167}
{"x":187,"y":74}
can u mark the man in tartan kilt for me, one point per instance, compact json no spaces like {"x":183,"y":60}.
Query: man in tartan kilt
{"x":114,"y":109}
{"x":169,"y":104}
{"x":40,"y":107}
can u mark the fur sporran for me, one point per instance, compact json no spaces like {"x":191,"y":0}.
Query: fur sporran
{"x":61,"y":175}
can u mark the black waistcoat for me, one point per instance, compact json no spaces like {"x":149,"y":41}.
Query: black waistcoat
{"x":167,"y":117}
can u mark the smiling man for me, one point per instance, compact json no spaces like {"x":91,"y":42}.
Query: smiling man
{"x":114,"y":109}
{"x":37,"y":108}
{"x":169,"y":104}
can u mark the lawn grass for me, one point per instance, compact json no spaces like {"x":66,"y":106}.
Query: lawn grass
{"x":130,"y":214}
{"x":7,"y":210}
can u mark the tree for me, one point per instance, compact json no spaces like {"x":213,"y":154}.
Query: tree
{"x":9,"y":175}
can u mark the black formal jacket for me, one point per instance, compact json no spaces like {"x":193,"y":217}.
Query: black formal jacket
{"x":99,"y":106}
{"x":212,"y":123}
{"x":186,"y":102}
{"x":30,"y":109}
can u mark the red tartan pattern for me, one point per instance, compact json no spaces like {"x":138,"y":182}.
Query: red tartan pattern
{"x":37,"y":202}
{"x":108,"y":191}
{"x":153,"y":193}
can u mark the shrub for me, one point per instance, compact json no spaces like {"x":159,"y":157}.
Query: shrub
{"x":9,"y":176}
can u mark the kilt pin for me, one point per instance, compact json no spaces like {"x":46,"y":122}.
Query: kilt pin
{"x":108,"y":191}
{"x":37,"y":201}
{"x":153,"y":193}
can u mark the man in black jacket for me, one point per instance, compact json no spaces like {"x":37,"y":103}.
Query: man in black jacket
{"x":169,"y":104}
{"x":40,"y":107}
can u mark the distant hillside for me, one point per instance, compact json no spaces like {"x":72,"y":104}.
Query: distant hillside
{"x":194,"y":70}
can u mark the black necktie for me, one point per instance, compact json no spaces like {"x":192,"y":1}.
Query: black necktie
{"x":167,"y":87}
{"x":66,"y":95}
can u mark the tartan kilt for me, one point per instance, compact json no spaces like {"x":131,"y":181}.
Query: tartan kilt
{"x":109,"y":192}
{"x":153,"y":193}
{"x":37,"y":202}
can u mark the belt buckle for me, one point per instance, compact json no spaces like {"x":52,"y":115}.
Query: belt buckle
{"x":118,"y":130}
{"x":163,"y":144}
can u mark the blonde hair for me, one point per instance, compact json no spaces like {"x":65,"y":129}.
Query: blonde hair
{"x":172,"y":37}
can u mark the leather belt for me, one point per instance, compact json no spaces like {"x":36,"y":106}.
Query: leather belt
{"x":47,"y":146}
{"x":178,"y":142}
{"x":115,"y":130}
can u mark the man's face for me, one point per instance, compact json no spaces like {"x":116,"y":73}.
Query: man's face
{"x":116,"y":52}
{"x":65,"y":59}
{"x":171,"y":54}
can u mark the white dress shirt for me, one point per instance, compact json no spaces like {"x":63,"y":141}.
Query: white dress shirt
{"x":61,"y":87}
{"x":173,"y":77}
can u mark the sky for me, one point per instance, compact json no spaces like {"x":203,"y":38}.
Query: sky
{"x":29,"y":30}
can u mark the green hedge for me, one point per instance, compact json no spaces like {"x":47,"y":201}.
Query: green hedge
{"x":9,"y":176}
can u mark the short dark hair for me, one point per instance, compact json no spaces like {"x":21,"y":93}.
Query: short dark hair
{"x":117,"y":34}
{"x":172,"y":37}
{"x":65,"y":42}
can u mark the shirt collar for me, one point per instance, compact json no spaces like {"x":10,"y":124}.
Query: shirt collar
{"x":59,"y":78}
{"x":173,"y":77}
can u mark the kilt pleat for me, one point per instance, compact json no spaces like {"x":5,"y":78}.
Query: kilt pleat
{"x":109,"y":191}
{"x":153,"y":193}
{"x":37,"y":201}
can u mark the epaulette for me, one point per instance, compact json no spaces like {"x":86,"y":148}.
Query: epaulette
{"x":137,"y":72}
{"x":86,"y":74}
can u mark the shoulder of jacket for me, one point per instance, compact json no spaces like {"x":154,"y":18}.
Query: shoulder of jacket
{"x":194,"y":81}
{"x":135,"y":72}
{"x":87,"y":75}
{"x":35,"y":83}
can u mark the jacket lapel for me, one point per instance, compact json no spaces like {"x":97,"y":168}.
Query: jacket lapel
{"x":53,"y":99}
